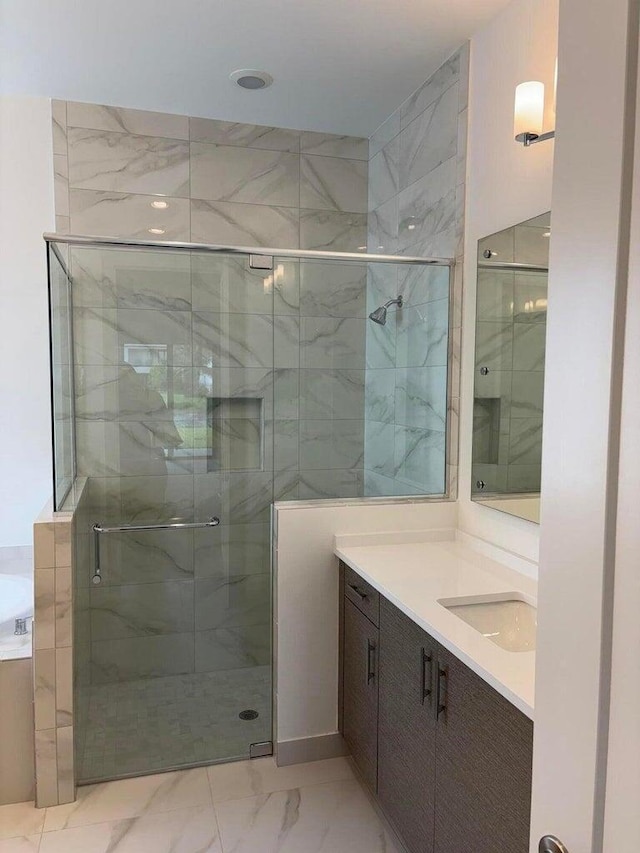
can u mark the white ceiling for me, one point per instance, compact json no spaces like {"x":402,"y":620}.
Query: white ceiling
{"x":339,"y":65}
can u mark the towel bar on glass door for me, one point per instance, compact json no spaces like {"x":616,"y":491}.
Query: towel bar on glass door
{"x":214,"y":521}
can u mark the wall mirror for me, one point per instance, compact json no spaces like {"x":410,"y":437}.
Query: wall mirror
{"x":511,"y":324}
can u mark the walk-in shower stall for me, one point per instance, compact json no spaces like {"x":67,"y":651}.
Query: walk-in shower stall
{"x":193,"y":386}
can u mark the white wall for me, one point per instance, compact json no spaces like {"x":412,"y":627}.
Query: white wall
{"x":26,"y":210}
{"x":307,"y":603}
{"x":506,"y":184}
{"x":585,"y":337}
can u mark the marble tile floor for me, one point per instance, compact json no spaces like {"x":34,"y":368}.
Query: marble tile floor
{"x":147,"y":725}
{"x":241,"y":807}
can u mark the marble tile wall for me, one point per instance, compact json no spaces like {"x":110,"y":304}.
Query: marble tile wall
{"x":417,"y":171}
{"x":289,"y":343}
{"x":220,"y":182}
{"x":56,"y":560}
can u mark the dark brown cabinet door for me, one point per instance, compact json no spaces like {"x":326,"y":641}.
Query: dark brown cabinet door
{"x":483,"y":765}
{"x":360,"y":690}
{"x":406,"y":732}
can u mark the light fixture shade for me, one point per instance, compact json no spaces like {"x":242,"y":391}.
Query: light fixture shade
{"x":529,"y":108}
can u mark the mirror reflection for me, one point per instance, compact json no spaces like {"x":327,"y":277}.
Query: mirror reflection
{"x":511,"y":322}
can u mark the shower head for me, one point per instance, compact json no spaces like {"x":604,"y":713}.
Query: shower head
{"x":379,"y":316}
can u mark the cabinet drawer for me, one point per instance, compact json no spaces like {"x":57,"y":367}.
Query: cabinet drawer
{"x":362,"y":594}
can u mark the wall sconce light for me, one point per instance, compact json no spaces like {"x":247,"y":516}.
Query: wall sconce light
{"x":529,"y":114}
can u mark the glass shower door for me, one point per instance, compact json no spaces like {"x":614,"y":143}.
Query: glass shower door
{"x":175,"y":408}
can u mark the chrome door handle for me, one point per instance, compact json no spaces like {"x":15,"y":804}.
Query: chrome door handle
{"x":551,"y":844}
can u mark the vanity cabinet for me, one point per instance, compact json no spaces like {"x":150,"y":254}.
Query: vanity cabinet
{"x":360,"y":690}
{"x":453,"y":769}
{"x":407,"y":728}
{"x":483,"y":765}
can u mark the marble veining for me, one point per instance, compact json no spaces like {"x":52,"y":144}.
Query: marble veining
{"x":382,"y":230}
{"x":245,"y":135}
{"x":332,"y":289}
{"x":384,"y":174}
{"x":335,"y":231}
{"x":139,"y":122}
{"x":334,"y":145}
{"x":448,"y":74}
{"x":327,"y":342}
{"x":102,"y":160}
{"x":430,"y":139}
{"x":333,"y":183}
{"x":229,"y":223}
{"x":318,"y":818}
{"x":110,"y":214}
{"x":228,"y":173}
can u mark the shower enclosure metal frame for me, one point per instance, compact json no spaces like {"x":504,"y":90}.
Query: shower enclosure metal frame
{"x":269,"y":253}
{"x":51,"y":238}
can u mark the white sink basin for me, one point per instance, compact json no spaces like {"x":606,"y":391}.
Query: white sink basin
{"x":507,"y":619}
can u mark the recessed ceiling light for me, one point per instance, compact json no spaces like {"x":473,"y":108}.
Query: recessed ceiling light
{"x":362,"y":248}
{"x":547,"y":234}
{"x":249,"y":78}
{"x":160,"y":205}
{"x":156,"y":230}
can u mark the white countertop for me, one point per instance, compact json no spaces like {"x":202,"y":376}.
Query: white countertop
{"x":413,"y":575}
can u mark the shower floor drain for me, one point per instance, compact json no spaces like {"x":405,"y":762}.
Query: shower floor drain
{"x":248,"y":715}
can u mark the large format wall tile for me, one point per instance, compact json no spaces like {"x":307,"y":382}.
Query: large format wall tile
{"x":140,"y":610}
{"x":333,"y":183}
{"x":326,"y":444}
{"x":380,"y":396}
{"x":333,"y":145}
{"x":434,"y":88}
{"x":427,"y":214}
{"x":422,"y":335}
{"x":421,"y":397}
{"x":109,"y":336}
{"x":244,"y":135}
{"x":383,"y":174}
{"x":382,"y":229}
{"x":227,"y":283}
{"x":232,"y":340}
{"x":331,"y":393}
{"x":387,"y":131}
{"x":331,"y":289}
{"x":235,"y":497}
{"x":333,"y":231}
{"x":228,"y":173}
{"x":334,"y":483}
{"x":232,"y":549}
{"x":430,"y":139}
{"x":229,"y":224}
{"x":233,"y":648}
{"x":126,"y":279}
{"x":122,"y":162}
{"x":419,"y":455}
{"x":380,"y":448}
{"x":327,"y":342}
{"x":233,"y":602}
{"x":147,"y":557}
{"x":140,"y":122}
{"x":109,"y":214}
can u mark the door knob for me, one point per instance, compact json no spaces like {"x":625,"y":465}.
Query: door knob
{"x":551,"y":844}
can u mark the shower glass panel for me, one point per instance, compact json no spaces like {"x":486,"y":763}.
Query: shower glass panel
{"x":62,"y":396}
{"x":208,"y":385}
